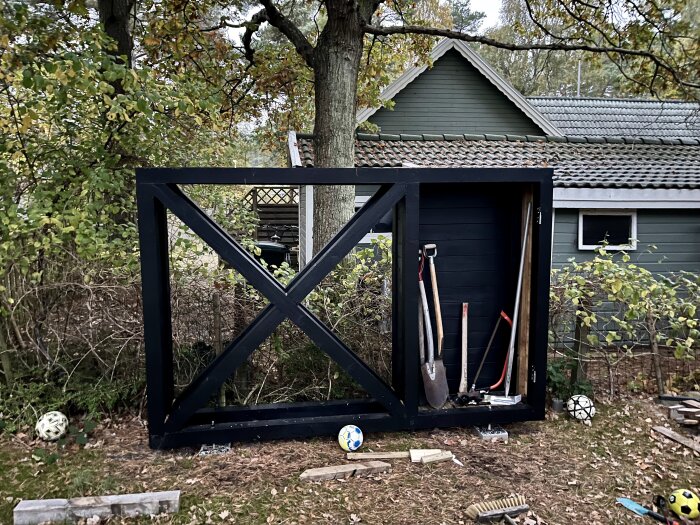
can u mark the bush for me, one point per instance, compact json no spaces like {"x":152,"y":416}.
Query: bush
{"x":611,"y":309}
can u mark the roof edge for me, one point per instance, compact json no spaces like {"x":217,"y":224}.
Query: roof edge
{"x":523,"y":138}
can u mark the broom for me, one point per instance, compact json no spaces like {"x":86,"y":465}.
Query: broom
{"x":497,"y":509}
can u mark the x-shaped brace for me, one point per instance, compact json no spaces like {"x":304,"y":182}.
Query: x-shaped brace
{"x":284,"y":302}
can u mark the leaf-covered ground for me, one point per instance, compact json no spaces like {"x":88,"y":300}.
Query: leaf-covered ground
{"x":568,"y":472}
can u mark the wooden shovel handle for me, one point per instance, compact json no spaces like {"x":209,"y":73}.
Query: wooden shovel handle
{"x":438,"y":313}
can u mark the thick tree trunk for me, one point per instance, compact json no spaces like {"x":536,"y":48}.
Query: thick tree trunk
{"x":336,"y":66}
{"x":114,"y":17}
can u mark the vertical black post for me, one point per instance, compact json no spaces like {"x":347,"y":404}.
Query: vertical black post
{"x":539,"y":297}
{"x":405,"y":305}
{"x":155,"y":284}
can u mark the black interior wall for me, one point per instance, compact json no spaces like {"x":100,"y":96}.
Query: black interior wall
{"x":476,"y":228}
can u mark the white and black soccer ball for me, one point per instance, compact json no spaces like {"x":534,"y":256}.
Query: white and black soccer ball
{"x":350,"y":438}
{"x":52,"y":426}
{"x":581,"y":407}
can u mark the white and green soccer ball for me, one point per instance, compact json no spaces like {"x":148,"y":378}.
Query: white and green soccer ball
{"x":52,"y":426}
{"x":350,"y":438}
{"x":581,"y":407}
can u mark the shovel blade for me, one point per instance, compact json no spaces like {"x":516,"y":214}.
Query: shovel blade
{"x":436,"y":391}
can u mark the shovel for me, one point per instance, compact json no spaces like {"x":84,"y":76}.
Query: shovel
{"x":434,"y":376}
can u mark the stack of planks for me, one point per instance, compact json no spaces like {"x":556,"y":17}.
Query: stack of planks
{"x":687,"y":413}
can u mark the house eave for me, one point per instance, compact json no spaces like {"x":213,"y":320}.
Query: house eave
{"x":626,"y":198}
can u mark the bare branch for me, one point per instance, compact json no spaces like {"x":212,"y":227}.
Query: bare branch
{"x":556,"y":46}
{"x":292,"y":32}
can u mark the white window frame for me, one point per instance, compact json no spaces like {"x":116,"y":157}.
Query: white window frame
{"x":631,"y":246}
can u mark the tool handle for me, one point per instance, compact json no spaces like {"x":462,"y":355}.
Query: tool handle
{"x":421,"y":331}
{"x":438,"y":313}
{"x":428,"y":327}
{"x":464,"y":381}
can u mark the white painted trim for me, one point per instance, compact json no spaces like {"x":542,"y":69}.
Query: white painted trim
{"x":293,"y":147}
{"x":551,"y":242}
{"x":484,"y":68}
{"x":619,"y":198}
{"x":308,"y":224}
{"x":633,"y":229}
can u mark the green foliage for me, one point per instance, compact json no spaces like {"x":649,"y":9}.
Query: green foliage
{"x":559,"y":383}
{"x":622,"y":311}
{"x":27,"y":400}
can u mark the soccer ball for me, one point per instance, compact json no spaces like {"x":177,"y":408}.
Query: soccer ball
{"x":350,"y":438}
{"x":52,"y":426}
{"x":580,"y":407}
{"x":684,"y":504}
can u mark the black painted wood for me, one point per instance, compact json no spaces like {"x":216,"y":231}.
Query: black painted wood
{"x":474,"y":217}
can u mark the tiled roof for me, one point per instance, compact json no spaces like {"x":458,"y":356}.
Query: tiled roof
{"x":577,"y":162}
{"x":608,"y":117}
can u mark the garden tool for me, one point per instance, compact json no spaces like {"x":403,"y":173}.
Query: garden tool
{"x":643,"y":511}
{"x":433,"y":371}
{"x":516,"y":308}
{"x":463,"y":382}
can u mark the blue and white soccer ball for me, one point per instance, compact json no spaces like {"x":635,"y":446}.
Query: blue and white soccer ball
{"x":52,"y":426}
{"x":581,"y":407}
{"x":350,"y":438}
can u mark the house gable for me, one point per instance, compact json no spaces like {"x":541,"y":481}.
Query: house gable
{"x":459,"y":94}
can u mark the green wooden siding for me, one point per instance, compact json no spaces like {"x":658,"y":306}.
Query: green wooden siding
{"x":453,"y":97}
{"x":675,"y":233}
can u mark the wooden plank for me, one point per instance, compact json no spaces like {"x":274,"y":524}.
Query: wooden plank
{"x":690,"y":411}
{"x":523,"y":348}
{"x":417,"y":453}
{"x":675,"y":436}
{"x":691,"y":403}
{"x":378,"y":455}
{"x":445,"y":455}
{"x":33,"y":512}
{"x":345,"y":471}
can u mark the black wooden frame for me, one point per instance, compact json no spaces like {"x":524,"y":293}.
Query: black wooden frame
{"x":184,"y":420}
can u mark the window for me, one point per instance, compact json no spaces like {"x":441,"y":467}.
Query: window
{"x":616,"y":228}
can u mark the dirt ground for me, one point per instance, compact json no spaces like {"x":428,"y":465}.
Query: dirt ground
{"x":568,"y":472}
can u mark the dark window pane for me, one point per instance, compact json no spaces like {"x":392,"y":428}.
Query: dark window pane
{"x":613,"y":229}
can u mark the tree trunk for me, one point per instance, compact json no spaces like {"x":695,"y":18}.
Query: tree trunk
{"x":336,"y":66}
{"x":114,"y":17}
{"x":5,"y":359}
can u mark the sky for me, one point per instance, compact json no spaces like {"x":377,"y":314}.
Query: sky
{"x":490,"y":7}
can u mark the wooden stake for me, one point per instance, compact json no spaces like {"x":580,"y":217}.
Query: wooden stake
{"x":524,"y":323}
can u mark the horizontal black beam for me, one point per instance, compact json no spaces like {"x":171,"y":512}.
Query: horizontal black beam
{"x":303,"y":427}
{"x":271,"y":411}
{"x":330,"y":176}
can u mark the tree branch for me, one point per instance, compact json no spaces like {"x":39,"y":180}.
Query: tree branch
{"x":292,"y":32}
{"x":250,"y":28}
{"x":557,"y":46}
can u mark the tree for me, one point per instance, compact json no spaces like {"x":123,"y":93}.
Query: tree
{"x":340,"y":51}
{"x":547,"y":72}
{"x":653,"y":46}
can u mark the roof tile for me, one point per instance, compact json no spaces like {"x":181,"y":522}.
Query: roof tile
{"x":607,"y":163}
